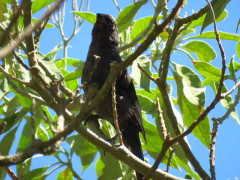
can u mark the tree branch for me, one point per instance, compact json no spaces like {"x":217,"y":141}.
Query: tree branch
{"x":27,"y":31}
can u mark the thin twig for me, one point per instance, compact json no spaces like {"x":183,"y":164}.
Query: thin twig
{"x":115,"y":115}
{"x":27,"y":31}
{"x":231,"y":90}
{"x":161,"y":121}
{"x":144,"y":72}
{"x":116,"y":5}
{"x":11,"y":173}
{"x":13,"y":77}
{"x":231,"y":108}
{"x":13,"y":21}
{"x":212,"y":148}
{"x":20,"y":61}
{"x":170,"y":158}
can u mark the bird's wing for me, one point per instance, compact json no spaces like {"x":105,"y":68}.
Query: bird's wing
{"x":125,"y":88}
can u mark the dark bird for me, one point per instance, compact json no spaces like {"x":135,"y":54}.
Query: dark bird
{"x":102,"y":52}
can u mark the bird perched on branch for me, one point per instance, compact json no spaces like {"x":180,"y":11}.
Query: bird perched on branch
{"x":102,"y":52}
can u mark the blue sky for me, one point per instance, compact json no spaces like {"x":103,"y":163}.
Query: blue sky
{"x":228,"y":140}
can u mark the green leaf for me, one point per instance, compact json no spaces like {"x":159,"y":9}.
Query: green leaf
{"x":99,"y":167}
{"x":65,"y":175}
{"x":199,"y":21}
{"x":52,"y":54}
{"x":21,"y":72}
{"x":87,"y":160}
{"x":26,"y":136}
{"x":139,"y":26}
{"x":218,"y":8}
{"x":75,"y":74}
{"x":39,"y":4}
{"x":147,"y":105}
{"x":138,"y":75}
{"x":42,"y":133}
{"x":212,"y":35}
{"x":25,"y":102}
{"x":154,"y":141}
{"x":191,"y":84}
{"x":187,"y":168}
{"x":202,"y":49}
{"x":111,"y":163}
{"x":81,"y":146}
{"x":51,"y":69}
{"x":11,"y":107}
{"x":35,"y":173}
{"x":88,"y":16}
{"x":191,"y":101}
{"x":3,"y":87}
{"x":126,"y":16}
{"x":207,"y":81}
{"x":238,"y":50}
{"x":227,"y":102}
{"x":6,"y":142}
{"x":232,"y":69}
{"x":62,"y":63}
{"x":208,"y":70}
{"x":24,"y":167}
{"x":14,"y":118}
{"x":48,"y":25}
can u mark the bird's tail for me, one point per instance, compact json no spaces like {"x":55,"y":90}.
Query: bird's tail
{"x":131,"y":138}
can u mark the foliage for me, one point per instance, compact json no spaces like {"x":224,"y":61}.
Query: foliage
{"x":28,"y":113}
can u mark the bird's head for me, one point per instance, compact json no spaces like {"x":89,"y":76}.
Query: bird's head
{"x":105,"y":31}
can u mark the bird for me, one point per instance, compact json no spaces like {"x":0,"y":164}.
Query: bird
{"x":103,"y":51}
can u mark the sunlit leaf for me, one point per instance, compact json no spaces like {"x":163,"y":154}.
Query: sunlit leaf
{"x":218,"y":8}
{"x":199,"y":21}
{"x":138,"y":75}
{"x":81,"y":146}
{"x":212,"y":35}
{"x":35,"y":173}
{"x":48,"y":25}
{"x":3,"y":87}
{"x":208,"y":70}
{"x":39,"y":4}
{"x":202,"y":49}
{"x":75,"y":74}
{"x":238,"y":50}
{"x":6,"y":142}
{"x":139,"y":26}
{"x":88,"y":16}
{"x":66,"y":174}
{"x":126,"y":16}
{"x":191,"y":99}
{"x":87,"y":160}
